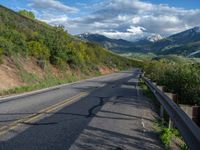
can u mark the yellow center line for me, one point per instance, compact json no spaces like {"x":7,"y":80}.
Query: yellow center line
{"x":41,"y":113}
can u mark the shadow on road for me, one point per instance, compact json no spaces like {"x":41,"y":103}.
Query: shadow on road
{"x":60,"y":129}
{"x":96,"y":138}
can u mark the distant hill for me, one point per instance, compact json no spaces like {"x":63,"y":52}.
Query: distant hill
{"x":115,"y":45}
{"x":120,"y":45}
{"x":184,"y":43}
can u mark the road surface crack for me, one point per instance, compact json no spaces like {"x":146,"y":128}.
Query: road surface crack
{"x":91,"y":110}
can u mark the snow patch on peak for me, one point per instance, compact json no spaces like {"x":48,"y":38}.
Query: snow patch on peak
{"x":154,"y":37}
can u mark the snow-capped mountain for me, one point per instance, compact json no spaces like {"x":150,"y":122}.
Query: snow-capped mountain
{"x":184,"y":43}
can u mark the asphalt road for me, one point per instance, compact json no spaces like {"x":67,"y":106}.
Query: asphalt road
{"x":105,"y":113}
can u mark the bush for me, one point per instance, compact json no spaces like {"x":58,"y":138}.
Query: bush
{"x":182,"y":79}
{"x":38,"y":50}
{"x":6,"y":46}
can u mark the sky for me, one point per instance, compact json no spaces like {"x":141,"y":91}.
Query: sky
{"x":119,"y":19}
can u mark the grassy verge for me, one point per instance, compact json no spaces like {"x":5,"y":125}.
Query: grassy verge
{"x":42,"y":84}
{"x":170,"y":137}
{"x":34,"y":83}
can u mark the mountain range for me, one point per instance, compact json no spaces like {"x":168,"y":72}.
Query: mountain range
{"x":185,"y":43}
{"x":116,"y":45}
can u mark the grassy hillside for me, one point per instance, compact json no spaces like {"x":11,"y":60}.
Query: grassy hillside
{"x":23,"y":38}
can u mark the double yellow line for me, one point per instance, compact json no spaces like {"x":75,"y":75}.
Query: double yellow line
{"x":40,"y":114}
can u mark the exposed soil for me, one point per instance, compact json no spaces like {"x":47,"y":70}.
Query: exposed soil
{"x":9,"y":72}
{"x":30,"y":65}
{"x":106,"y":70}
{"x":8,"y":75}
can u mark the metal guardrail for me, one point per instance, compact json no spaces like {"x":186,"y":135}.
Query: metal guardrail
{"x":188,"y":129}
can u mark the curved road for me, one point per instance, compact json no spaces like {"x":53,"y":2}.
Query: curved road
{"x":103,"y":113}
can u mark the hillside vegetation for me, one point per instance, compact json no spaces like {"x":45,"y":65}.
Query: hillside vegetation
{"x":24,"y":38}
{"x":179,"y":75}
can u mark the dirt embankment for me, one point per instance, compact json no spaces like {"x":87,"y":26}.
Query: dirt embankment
{"x":11,"y":71}
{"x":9,"y":75}
{"x":106,"y":70}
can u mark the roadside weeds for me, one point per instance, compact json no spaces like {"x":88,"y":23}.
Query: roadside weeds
{"x":170,"y":137}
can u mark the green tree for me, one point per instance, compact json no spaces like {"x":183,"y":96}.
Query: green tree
{"x":27,"y":13}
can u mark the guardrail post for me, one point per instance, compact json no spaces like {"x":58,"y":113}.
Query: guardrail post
{"x":162,"y":88}
{"x":162,"y":113}
{"x":171,"y":124}
{"x":196,"y":114}
{"x":175,"y":99}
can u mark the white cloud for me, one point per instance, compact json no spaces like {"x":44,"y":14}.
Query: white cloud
{"x":136,"y":30}
{"x":52,"y":4}
{"x":136,"y":19}
{"x":127,"y":19}
{"x":129,"y":36}
{"x":133,"y":33}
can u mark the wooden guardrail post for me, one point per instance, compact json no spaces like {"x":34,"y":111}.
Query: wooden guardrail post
{"x":193,"y":112}
{"x":174,"y":97}
{"x":170,"y":124}
{"x":162,"y":88}
{"x":161,"y":106}
{"x":162,"y":113}
{"x":196,"y":114}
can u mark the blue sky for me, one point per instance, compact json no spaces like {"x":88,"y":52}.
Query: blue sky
{"x":188,"y":4}
{"x":126,"y":19}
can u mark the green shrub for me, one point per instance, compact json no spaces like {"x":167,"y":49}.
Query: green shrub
{"x":38,"y":50}
{"x":182,"y":79}
{"x":166,"y":136}
{"x":6,"y":46}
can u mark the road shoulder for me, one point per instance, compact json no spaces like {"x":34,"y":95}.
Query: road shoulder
{"x":124,"y":123}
